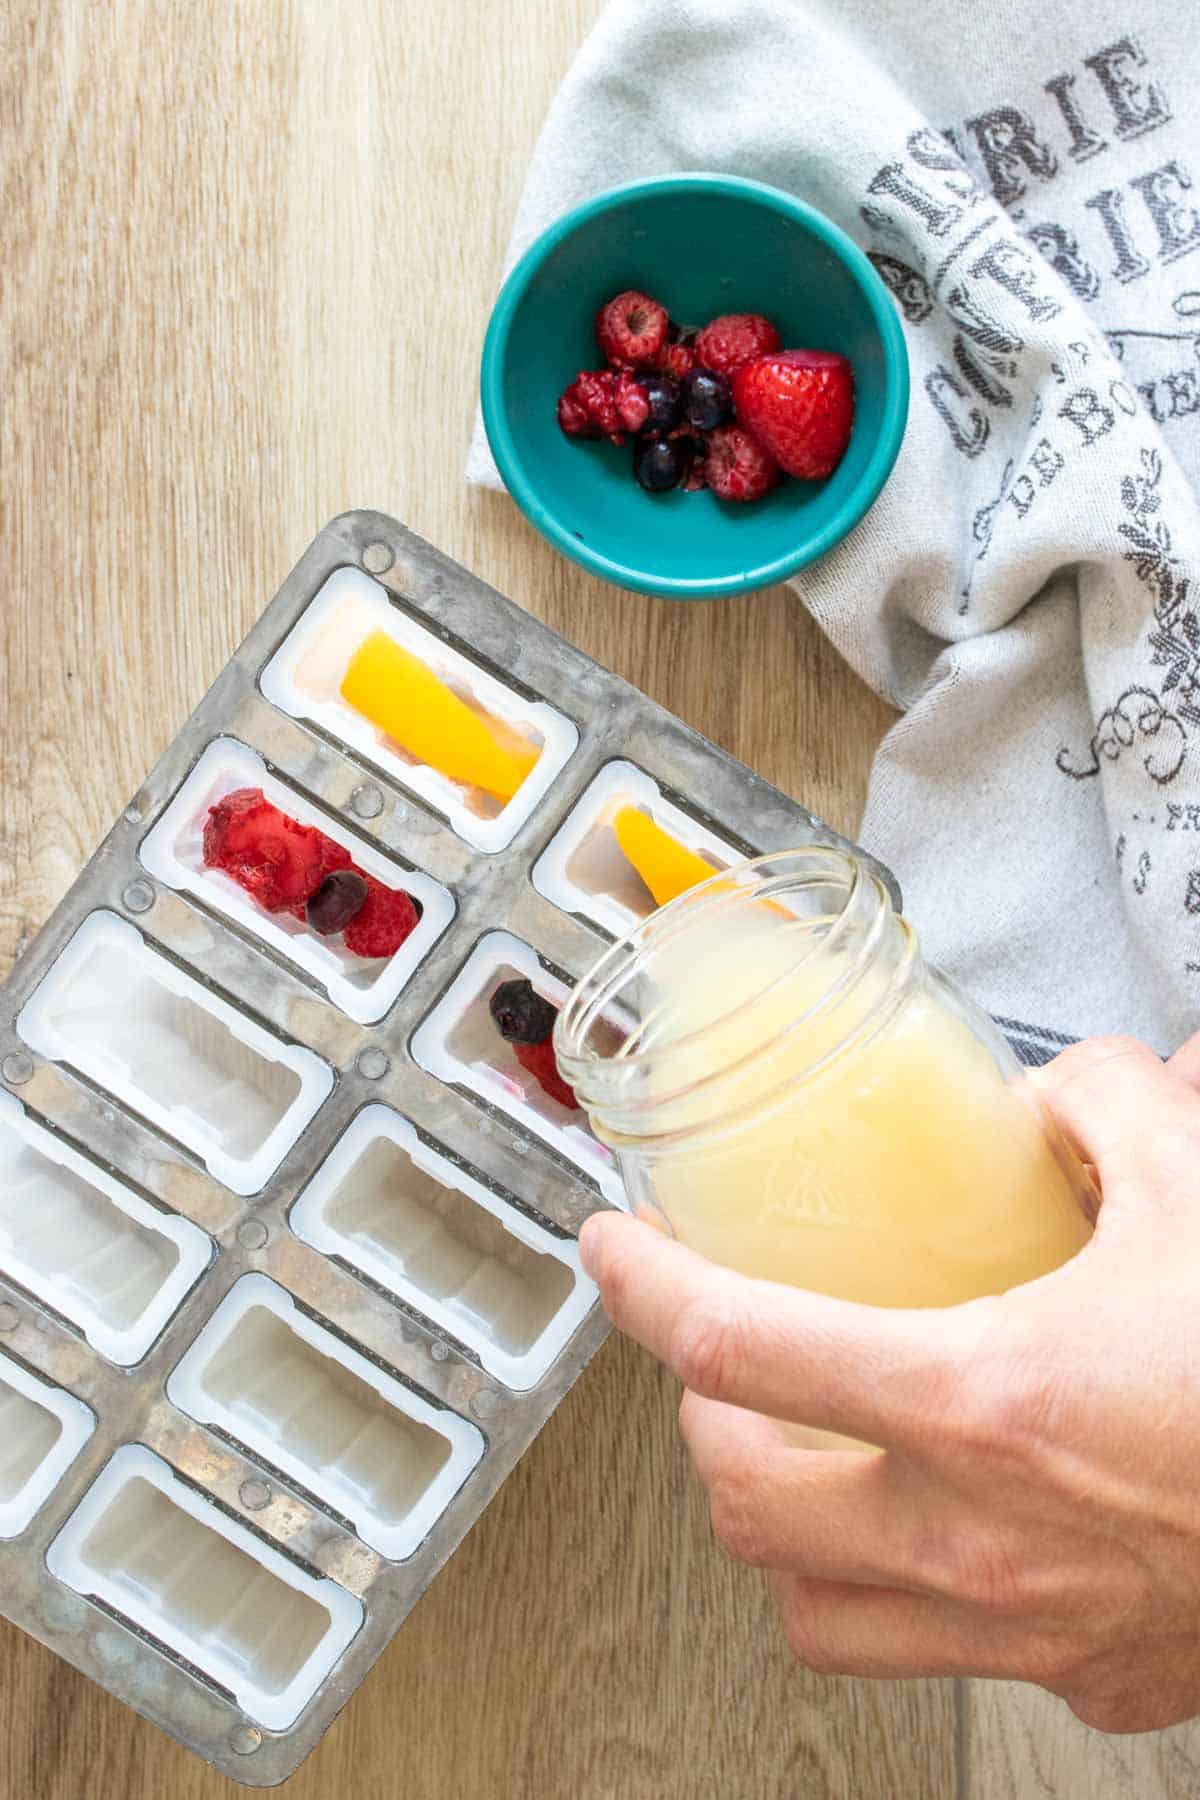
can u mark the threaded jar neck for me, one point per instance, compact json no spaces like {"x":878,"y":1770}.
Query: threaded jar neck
{"x":733,"y":996}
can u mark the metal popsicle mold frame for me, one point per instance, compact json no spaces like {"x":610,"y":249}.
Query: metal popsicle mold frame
{"x":338,"y":1319}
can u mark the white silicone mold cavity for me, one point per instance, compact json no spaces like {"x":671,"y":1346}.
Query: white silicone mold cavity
{"x":177,"y":1053}
{"x":407,"y":1217}
{"x":304,"y":676}
{"x":164,"y":1557}
{"x":85,"y":1245}
{"x":583,"y":868}
{"x":42,"y":1431}
{"x":363,"y":987}
{"x":366,"y":1445}
{"x":459,"y":1043}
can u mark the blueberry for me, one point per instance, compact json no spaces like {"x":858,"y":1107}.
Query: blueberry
{"x":338,"y":901}
{"x":660,"y":463}
{"x":666,"y":402}
{"x":707,"y":398}
{"x":521,"y":1015}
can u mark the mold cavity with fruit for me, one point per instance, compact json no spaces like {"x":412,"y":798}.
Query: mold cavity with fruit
{"x":257,"y":851}
{"x":626,"y":849}
{"x":370,"y":676}
{"x":491,"y":1034}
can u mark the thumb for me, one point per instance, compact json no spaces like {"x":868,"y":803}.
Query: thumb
{"x":1135,"y":1119}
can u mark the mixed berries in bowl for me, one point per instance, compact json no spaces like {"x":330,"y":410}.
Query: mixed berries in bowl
{"x":694,"y":385}
{"x":724,"y":407}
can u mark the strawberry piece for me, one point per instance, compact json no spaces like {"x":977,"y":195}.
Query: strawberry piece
{"x":800,"y":403}
{"x":538,"y":1059}
{"x":631,"y":400}
{"x":737,"y":467}
{"x":385,"y":919}
{"x":733,"y":339}
{"x":588,"y":407}
{"x":631,"y":330}
{"x":276,"y":860}
{"x":677,"y":359}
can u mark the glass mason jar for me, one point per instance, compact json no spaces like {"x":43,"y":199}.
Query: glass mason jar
{"x":799,"y":1096}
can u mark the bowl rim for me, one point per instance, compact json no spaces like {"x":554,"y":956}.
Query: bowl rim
{"x":862,"y":496}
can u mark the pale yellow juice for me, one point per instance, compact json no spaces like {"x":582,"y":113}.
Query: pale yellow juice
{"x":904,"y":1171}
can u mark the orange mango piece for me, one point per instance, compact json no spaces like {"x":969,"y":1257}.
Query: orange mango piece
{"x":401,"y":696}
{"x":667,"y":869}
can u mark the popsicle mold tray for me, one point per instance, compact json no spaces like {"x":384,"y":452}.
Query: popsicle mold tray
{"x":288,"y":1271}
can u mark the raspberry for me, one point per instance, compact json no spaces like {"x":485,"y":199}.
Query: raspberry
{"x":538,"y":1059}
{"x":276,"y":860}
{"x":733,"y":339}
{"x":737,"y":467}
{"x":632,"y":330}
{"x":631,"y":400}
{"x":677,"y":359}
{"x":521,"y":1015}
{"x":588,"y":407}
{"x":385,"y":919}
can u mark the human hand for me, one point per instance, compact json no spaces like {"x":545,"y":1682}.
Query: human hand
{"x":1033,"y":1512}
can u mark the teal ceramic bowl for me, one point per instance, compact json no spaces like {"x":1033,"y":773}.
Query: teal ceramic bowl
{"x":702,"y":244}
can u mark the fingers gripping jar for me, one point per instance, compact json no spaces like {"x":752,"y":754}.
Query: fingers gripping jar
{"x":801,"y":1097}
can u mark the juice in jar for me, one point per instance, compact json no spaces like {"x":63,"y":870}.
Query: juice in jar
{"x":801,"y":1099}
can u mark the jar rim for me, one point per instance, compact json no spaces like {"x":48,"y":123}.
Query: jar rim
{"x":725,"y":887}
{"x":635,"y":1080}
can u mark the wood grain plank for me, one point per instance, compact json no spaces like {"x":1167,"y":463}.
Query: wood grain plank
{"x":249,"y":252}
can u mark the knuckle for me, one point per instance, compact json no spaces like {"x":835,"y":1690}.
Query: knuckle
{"x":705,"y":1348}
{"x":736,"y":1513}
{"x":991,"y":1578}
{"x":1093,"y":1053}
{"x":1118,"y":1712}
{"x":810,"y":1647}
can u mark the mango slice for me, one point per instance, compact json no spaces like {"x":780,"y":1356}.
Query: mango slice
{"x":394,"y":690}
{"x":667,"y":869}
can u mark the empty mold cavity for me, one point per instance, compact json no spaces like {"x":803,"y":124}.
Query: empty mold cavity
{"x":411,"y":1220}
{"x":42,"y":1431}
{"x":85,"y":1245}
{"x":304,"y":679}
{"x":292,"y":1392}
{"x":459,"y":1043}
{"x":583,"y":868}
{"x":164,"y":1557}
{"x":182,"y":1056}
{"x":363,"y":987}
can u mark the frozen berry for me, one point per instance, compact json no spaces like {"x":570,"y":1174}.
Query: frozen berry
{"x":520,"y":1014}
{"x":664,"y":402}
{"x":801,"y":404}
{"x":385,"y":919}
{"x":733,"y":339}
{"x":588,"y":409}
{"x":676,"y":360}
{"x":696,"y":478}
{"x":538,"y":1059}
{"x":275,"y":859}
{"x":631,"y":400}
{"x":707,"y":398}
{"x":660,"y":463}
{"x":631,"y":330}
{"x":339,"y":899}
{"x":737,"y":467}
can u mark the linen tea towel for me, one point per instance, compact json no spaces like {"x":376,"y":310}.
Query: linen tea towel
{"x":1025,"y":180}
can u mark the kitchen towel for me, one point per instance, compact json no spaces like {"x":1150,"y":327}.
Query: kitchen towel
{"x":1026,"y":180}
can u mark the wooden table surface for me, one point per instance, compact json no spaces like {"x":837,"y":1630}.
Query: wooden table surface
{"x":247,"y":254}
